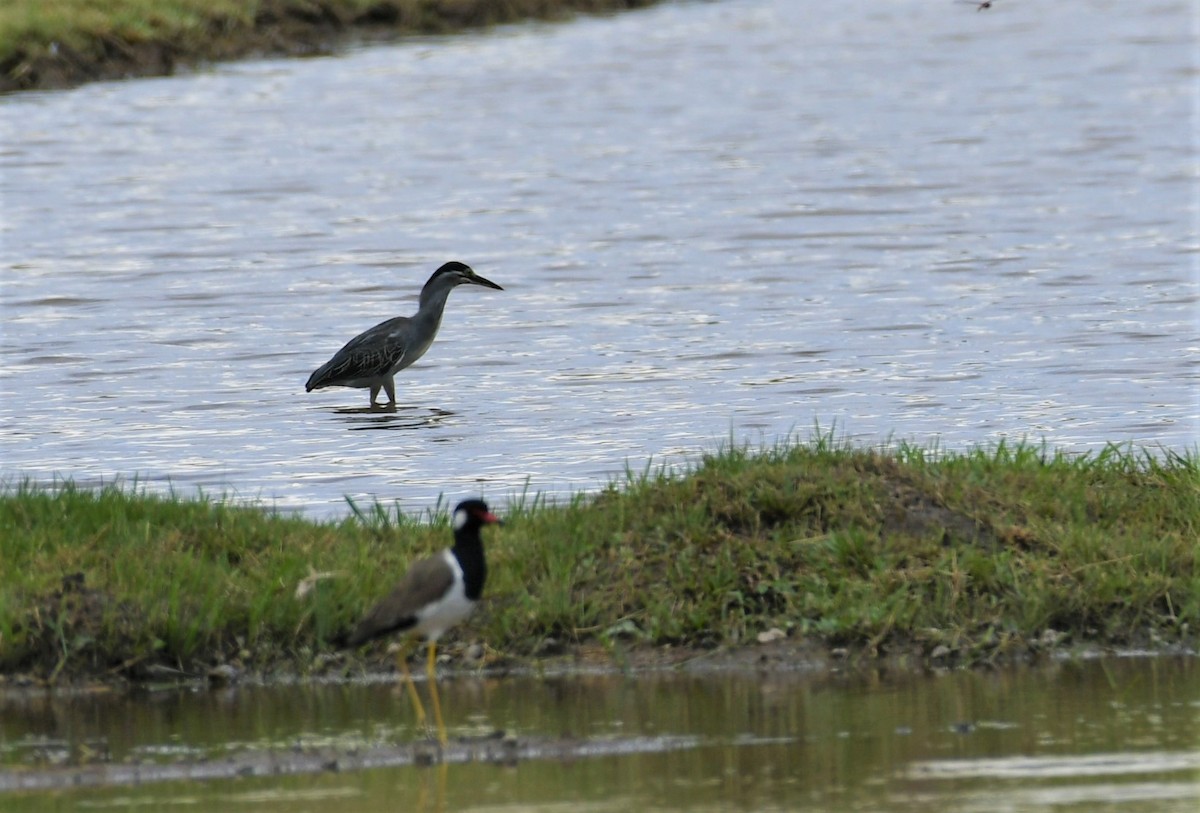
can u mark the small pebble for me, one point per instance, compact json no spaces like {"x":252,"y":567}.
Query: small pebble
{"x":773,"y":634}
{"x":223,"y":674}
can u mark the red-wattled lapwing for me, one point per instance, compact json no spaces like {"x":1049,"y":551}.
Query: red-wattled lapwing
{"x":372,"y":358}
{"x":435,"y":594}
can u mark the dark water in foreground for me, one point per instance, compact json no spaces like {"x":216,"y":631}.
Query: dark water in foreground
{"x":1116,"y":734}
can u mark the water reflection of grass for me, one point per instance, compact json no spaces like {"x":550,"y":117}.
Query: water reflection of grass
{"x":47,"y":43}
{"x":965,"y":556}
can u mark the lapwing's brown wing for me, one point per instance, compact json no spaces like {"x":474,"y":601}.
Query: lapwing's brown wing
{"x":426,"y":582}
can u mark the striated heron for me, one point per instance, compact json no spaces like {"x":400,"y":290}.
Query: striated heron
{"x":372,"y":359}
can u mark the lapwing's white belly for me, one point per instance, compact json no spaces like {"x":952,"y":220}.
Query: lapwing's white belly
{"x":447,"y":611}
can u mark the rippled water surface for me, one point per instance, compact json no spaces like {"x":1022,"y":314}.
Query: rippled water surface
{"x":1116,"y":735}
{"x":711,"y":220}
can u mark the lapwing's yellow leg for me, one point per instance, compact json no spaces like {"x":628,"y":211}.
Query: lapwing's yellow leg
{"x":402,"y":664}
{"x":433,"y":693}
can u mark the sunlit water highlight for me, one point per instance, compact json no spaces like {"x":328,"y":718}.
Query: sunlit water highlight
{"x":713,"y":220}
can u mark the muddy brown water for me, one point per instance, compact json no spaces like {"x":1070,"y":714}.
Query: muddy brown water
{"x":1104,"y":734}
{"x":712,"y":221}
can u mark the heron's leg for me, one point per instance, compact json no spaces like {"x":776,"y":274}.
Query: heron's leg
{"x":433,"y":693}
{"x":389,"y":386}
{"x":374,"y":393}
{"x":402,"y":664}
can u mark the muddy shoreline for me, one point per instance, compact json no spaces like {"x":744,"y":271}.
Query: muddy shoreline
{"x":786,"y":655}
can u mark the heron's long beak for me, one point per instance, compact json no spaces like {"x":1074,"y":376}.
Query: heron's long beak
{"x":486,"y":283}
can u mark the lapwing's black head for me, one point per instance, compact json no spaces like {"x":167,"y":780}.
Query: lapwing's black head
{"x":471,"y":515}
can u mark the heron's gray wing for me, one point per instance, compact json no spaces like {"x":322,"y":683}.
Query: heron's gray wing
{"x":370,"y":354}
{"x":424,"y":583}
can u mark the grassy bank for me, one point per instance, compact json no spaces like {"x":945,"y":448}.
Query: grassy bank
{"x":966,"y":557}
{"x":59,"y":43}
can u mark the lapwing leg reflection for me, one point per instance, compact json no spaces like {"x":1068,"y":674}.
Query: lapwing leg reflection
{"x":439,"y":802}
{"x":402,"y":665}
{"x":430,"y":671}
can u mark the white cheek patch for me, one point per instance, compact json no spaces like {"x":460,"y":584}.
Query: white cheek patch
{"x":460,"y":519}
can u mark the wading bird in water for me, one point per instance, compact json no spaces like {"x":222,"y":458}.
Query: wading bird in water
{"x":372,"y":358}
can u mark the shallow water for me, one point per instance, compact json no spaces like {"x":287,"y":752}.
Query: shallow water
{"x":713,"y":221}
{"x":1118,"y":734}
